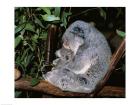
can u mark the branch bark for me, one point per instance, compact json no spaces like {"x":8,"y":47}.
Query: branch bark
{"x":51,"y":46}
{"x":112,"y":91}
{"x":45,"y":87}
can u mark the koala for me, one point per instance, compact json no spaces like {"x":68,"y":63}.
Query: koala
{"x":88,"y":63}
{"x":64,"y":55}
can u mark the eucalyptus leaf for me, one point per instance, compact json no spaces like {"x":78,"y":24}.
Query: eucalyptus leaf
{"x":20,"y":27}
{"x":50,"y":17}
{"x":102,"y":13}
{"x":29,"y":27}
{"x":18,"y":59}
{"x":22,"y":33}
{"x":47,"y":10}
{"x":66,"y":14}
{"x":64,"y":18}
{"x":28,"y":59}
{"x":25,"y":43}
{"x":34,"y":82}
{"x":32,"y":49}
{"x":38,"y":22}
{"x":38,"y":31}
{"x":35,"y":38}
{"x":23,"y":19}
{"x":24,"y":54}
{"x":57,"y":11}
{"x":65,"y":22}
{"x":120,"y":33}
{"x":18,"y":40}
{"x":43,"y":35}
{"x":34,"y":45}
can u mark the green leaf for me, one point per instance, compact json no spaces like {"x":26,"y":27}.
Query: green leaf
{"x":50,"y":17}
{"x":18,"y":59}
{"x":29,"y":27}
{"x":35,"y":38}
{"x":43,"y":35}
{"x":64,"y":18}
{"x":32,"y":49}
{"x":18,"y":93}
{"x":19,"y":28}
{"x":65,"y":22}
{"x":25,"y":43}
{"x":57,"y":11}
{"x":27,"y":60}
{"x":47,"y":10}
{"x":120,"y":33}
{"x":38,"y":22}
{"x":34,"y":82}
{"x":102,"y":13}
{"x":22,"y":33}
{"x":24,"y":54}
{"x":17,"y":40}
{"x":38,"y":31}
{"x":66,"y":14}
{"x":23,"y":19}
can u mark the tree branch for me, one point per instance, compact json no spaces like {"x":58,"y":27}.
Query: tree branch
{"x":48,"y":88}
{"x":45,"y":87}
{"x":112,"y":91}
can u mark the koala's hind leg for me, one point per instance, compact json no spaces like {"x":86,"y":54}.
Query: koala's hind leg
{"x":68,"y":81}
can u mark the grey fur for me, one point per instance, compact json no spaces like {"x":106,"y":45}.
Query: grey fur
{"x":88,"y":61}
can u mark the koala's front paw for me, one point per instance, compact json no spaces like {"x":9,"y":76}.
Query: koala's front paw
{"x":59,"y":78}
{"x":55,"y":62}
{"x":52,"y":77}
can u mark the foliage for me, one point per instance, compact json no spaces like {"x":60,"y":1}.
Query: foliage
{"x":31,"y":26}
{"x":120,"y":33}
{"x":31,"y":29}
{"x":102,"y":13}
{"x":34,"y":81}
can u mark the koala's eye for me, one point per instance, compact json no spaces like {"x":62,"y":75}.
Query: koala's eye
{"x":78,"y":32}
{"x":76,"y":29}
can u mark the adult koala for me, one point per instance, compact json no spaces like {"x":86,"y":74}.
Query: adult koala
{"x":89,"y":61}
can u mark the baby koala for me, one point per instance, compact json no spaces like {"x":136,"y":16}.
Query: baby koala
{"x":88,"y":61}
{"x":64,"y":56}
